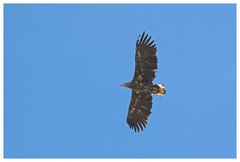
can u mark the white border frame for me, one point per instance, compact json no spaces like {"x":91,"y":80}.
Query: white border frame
{"x":110,"y":1}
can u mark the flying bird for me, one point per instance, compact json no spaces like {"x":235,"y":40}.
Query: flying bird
{"x":142,"y":83}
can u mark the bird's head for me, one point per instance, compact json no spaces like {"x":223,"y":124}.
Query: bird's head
{"x":128,"y":85}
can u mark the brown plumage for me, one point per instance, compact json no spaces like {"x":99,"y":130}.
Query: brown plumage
{"x":141,"y":85}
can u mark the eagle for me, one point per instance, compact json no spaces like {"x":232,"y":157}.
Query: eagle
{"x":142,"y":83}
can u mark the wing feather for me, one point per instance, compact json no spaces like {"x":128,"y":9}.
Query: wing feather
{"x":141,"y":39}
{"x":145,"y":60}
{"x":148,"y":40}
{"x":151,"y":43}
{"x":137,"y":115}
{"x":145,"y":38}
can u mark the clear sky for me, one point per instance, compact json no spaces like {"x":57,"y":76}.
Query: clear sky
{"x":63,"y":66}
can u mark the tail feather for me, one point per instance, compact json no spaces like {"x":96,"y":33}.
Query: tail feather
{"x":159,"y":89}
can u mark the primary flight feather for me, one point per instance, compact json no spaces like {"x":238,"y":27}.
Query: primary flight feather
{"x":141,"y":84}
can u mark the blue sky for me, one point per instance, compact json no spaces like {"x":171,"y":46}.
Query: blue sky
{"x":63,"y":66}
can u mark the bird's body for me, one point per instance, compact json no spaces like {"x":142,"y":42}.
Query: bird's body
{"x":141,"y":85}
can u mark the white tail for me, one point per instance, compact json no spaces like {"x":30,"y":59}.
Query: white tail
{"x":161,"y":90}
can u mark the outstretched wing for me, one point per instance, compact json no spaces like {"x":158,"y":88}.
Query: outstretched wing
{"x":145,"y":60}
{"x":139,"y":110}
